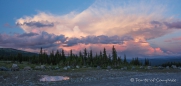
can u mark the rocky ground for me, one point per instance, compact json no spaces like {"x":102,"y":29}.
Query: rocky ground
{"x":94,"y":77}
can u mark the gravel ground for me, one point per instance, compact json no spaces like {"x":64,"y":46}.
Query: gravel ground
{"x":93,"y":77}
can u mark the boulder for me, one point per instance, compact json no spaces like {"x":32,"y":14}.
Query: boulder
{"x":98,"y":67}
{"x":27,"y":68}
{"x":133,"y":68}
{"x":15,"y":67}
{"x":149,"y":67}
{"x":65,"y":68}
{"x":167,"y":67}
{"x":77,"y":66}
{"x":49,"y":67}
{"x":179,"y":67}
{"x":37,"y":67}
{"x":122,"y":68}
{"x":108,"y":67}
{"x":160,"y":67}
{"x":174,"y":66}
{"x":141,"y":67}
{"x":4,"y":69}
{"x":90,"y":67}
{"x":125,"y":68}
{"x":68,"y":67}
{"x":84,"y":67}
{"x":42,"y":67}
{"x":56,"y":68}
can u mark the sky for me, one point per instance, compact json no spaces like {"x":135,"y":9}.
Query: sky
{"x":137,"y":28}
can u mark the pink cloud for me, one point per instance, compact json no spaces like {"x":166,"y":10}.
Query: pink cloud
{"x":173,"y":39}
{"x":7,"y":25}
{"x":99,"y":26}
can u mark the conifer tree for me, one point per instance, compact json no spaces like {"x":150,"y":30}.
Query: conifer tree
{"x":57,"y":57}
{"x":104,"y":57}
{"x":114,"y":55}
{"x":125,"y":60}
{"x":81,"y":58}
{"x":63,"y":58}
{"x":20,"y":57}
{"x":85,"y":56}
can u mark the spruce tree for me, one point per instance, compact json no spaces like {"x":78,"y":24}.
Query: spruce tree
{"x":40,"y":56}
{"x":114,"y":55}
{"x":104,"y":58}
{"x":125,"y":60}
{"x":91,"y":58}
{"x":81,"y":58}
{"x":85,"y":56}
{"x":63,"y":58}
{"x":20,"y":57}
{"x":57,"y":57}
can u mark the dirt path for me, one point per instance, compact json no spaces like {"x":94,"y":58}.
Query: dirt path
{"x":149,"y":79}
{"x":92,"y":77}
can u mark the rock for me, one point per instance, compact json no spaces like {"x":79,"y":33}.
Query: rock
{"x":108,"y":67}
{"x":37,"y":67}
{"x":98,"y":67}
{"x":27,"y":68}
{"x":56,"y":68}
{"x":125,"y":68}
{"x":174,"y":66}
{"x":42,"y":67}
{"x":167,"y":67}
{"x":49,"y":67}
{"x":132,"y":68}
{"x":149,"y":67}
{"x":141,"y":67}
{"x":15,"y":67}
{"x":3,"y":69}
{"x":77,"y":66}
{"x":122,"y":68}
{"x":65,"y":68}
{"x":68,"y":67}
{"x":90,"y":67}
{"x":84,"y":67}
{"x":160,"y":67}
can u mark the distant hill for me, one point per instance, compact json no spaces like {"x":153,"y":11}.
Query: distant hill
{"x":11,"y":51}
{"x":160,"y":60}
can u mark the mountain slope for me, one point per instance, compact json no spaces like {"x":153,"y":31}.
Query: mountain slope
{"x":10,"y":51}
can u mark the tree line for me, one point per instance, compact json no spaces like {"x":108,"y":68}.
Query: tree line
{"x":178,"y":64}
{"x":85,"y":58}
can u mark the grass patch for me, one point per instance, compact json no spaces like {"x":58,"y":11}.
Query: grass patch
{"x":4,"y":74}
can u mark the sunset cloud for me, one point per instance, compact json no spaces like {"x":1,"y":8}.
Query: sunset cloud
{"x":31,"y":40}
{"x":128,"y":26}
{"x":100,"y":19}
{"x":37,"y":24}
{"x":176,"y":39}
{"x":176,"y":24}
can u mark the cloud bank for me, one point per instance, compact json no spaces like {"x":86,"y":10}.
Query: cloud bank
{"x":127,"y":26}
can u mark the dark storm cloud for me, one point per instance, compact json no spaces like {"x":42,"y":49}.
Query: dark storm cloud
{"x":155,"y":22}
{"x":102,"y":39}
{"x":27,"y":34}
{"x":176,"y":24}
{"x":31,"y":40}
{"x":173,"y":24}
{"x":37,"y":24}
